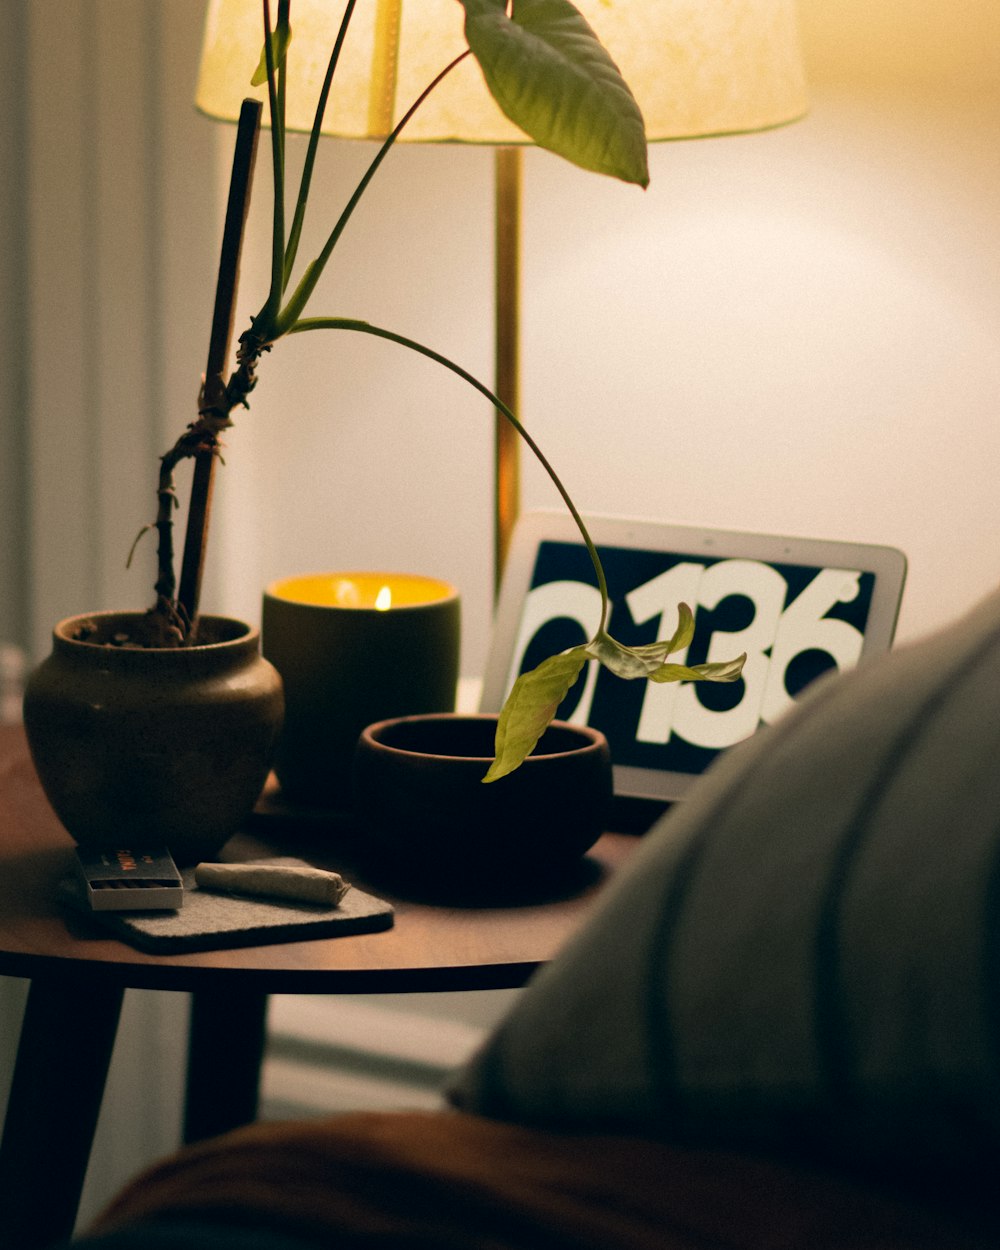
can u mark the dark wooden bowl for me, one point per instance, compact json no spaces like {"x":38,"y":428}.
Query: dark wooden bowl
{"x":423,"y":809}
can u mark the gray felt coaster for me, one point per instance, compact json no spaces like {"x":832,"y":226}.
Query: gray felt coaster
{"x":209,"y":921}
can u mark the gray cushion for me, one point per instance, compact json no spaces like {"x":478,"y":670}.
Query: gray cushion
{"x":805,"y":954}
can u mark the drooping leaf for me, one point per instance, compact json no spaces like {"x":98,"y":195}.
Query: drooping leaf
{"x":536,"y":695}
{"x":623,"y":661}
{"x":530,"y":706}
{"x":281,"y":37}
{"x":552,"y":77}
{"x":722,"y":670}
{"x":682,"y":634}
{"x":632,"y":662}
{"x":649,"y":661}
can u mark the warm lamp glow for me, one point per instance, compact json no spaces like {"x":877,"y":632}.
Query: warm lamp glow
{"x":696,"y":68}
{"x":379,"y":591}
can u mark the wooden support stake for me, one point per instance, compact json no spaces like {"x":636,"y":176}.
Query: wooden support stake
{"x":199,"y":508}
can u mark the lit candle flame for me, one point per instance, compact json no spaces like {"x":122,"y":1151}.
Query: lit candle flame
{"x":383,"y":600}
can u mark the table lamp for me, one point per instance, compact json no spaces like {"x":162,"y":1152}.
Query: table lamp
{"x":696,"y":69}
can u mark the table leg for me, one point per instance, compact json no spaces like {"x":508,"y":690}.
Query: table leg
{"x":67,"y":1037}
{"x":225,"y":1052}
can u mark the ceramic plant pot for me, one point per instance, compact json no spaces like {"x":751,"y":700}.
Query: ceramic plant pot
{"x":423,"y":811}
{"x":152,"y":746}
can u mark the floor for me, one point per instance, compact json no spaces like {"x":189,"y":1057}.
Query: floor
{"x":327,"y":1055}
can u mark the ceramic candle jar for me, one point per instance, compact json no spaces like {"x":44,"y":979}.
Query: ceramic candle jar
{"x":353,"y":648}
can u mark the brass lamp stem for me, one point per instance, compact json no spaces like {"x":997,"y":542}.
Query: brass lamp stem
{"x":507,"y":165}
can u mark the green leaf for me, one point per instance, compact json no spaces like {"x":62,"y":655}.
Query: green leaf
{"x":551,"y":76}
{"x":682,"y":634}
{"x":280,"y":39}
{"x":724,"y":670}
{"x":536,"y":695}
{"x":649,"y":661}
{"x":531,"y":705}
{"x":629,"y":662}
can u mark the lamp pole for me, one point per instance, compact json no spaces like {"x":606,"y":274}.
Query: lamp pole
{"x":508,"y":165}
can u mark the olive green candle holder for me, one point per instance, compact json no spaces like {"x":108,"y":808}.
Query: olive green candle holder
{"x":353,"y":648}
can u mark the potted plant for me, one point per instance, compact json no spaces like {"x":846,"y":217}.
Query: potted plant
{"x":552,"y":77}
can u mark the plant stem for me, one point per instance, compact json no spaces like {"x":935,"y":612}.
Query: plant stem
{"x":366,"y":327}
{"x":276,"y":106}
{"x":290,"y":314}
{"x":298,"y":217}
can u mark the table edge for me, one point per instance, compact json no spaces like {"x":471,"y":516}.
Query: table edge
{"x":195,"y":978}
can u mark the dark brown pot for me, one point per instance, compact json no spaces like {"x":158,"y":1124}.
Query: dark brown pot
{"x":153,"y":746}
{"x":422,"y":809}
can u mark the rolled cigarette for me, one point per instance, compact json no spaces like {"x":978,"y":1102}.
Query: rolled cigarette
{"x":305,"y":884}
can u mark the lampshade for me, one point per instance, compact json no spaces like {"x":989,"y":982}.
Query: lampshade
{"x":696,"y":67}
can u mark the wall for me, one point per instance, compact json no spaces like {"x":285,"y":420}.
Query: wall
{"x":794,"y":331}
{"x":109,"y":246}
{"x":13,"y":381}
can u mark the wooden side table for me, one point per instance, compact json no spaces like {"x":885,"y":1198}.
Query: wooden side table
{"x":78,"y":979}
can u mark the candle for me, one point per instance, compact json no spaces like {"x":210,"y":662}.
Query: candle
{"x":353,"y":648}
{"x":380,"y":591}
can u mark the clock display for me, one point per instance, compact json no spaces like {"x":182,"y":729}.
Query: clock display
{"x":794,"y":621}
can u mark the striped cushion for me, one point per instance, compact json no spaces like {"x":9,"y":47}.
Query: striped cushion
{"x":805,"y":955}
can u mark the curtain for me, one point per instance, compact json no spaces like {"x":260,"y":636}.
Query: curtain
{"x":111,"y":213}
